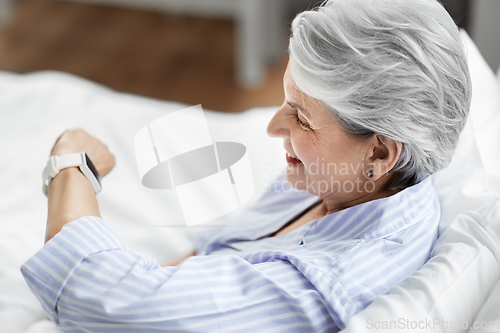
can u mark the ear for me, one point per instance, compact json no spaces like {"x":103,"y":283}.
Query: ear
{"x":382,"y":155}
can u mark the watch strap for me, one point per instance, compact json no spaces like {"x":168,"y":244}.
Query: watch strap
{"x":57,"y":163}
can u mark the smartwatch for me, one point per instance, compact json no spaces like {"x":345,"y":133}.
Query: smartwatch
{"x":81,"y":160}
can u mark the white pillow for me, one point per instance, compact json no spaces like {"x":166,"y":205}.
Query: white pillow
{"x":464,"y":266}
{"x":472,"y":179}
{"x":488,"y":318}
{"x":445,"y":294}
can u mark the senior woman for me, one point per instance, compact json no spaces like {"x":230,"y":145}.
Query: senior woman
{"x":377,"y":93}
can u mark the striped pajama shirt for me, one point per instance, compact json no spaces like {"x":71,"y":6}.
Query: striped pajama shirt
{"x":309,"y":280}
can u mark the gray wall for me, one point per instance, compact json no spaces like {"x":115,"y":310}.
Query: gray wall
{"x":485,"y":30}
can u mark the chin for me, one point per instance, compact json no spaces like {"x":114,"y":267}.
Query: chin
{"x":297,"y":181}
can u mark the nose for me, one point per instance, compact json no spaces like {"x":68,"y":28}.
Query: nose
{"x":278,"y":126}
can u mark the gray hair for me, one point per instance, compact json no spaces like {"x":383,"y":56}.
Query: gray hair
{"x":392,"y":67}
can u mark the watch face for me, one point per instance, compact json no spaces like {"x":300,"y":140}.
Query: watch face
{"x":92,"y":168}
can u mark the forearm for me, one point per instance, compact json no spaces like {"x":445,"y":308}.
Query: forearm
{"x":70,"y":196}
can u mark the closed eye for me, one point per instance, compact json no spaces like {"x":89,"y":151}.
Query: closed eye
{"x":301,"y":122}
{"x":296,"y":115}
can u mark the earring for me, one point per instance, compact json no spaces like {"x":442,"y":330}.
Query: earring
{"x":369,"y":174}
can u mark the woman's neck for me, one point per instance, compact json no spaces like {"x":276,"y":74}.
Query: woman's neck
{"x":335,"y":203}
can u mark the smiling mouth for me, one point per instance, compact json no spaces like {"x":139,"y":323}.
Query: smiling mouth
{"x":292,"y":160}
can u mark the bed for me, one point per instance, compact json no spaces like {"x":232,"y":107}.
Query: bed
{"x":457,"y":289}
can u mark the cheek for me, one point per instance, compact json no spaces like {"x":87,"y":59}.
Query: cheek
{"x":308,"y":152}
{"x":340,"y":160}
{"x":310,"y":157}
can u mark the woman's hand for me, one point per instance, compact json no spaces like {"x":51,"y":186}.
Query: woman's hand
{"x":179,"y":260}
{"x":77,"y":140}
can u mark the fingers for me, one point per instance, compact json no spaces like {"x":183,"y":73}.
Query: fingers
{"x":69,"y":139}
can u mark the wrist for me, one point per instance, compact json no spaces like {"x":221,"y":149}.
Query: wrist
{"x":68,"y":172}
{"x":68,"y":176}
{"x":58,"y":163}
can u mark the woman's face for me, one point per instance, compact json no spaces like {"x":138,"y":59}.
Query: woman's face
{"x":323,"y":159}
